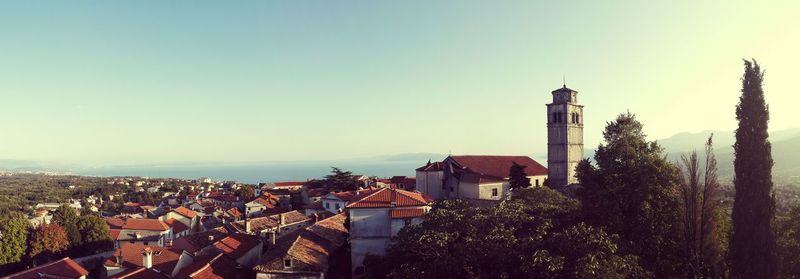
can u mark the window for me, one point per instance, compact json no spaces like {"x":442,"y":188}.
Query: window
{"x":145,"y":243}
{"x":326,"y":205}
{"x":407,"y":221}
{"x":287,"y":263}
{"x":337,"y":206}
{"x":494,"y":192}
{"x":537,"y":182}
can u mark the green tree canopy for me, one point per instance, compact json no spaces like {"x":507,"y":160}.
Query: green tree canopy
{"x":341,"y":180}
{"x":533,"y":235}
{"x":245,"y":192}
{"x":95,"y":235}
{"x":13,"y":238}
{"x":632,"y":191}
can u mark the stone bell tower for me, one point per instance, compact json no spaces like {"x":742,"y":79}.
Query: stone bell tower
{"x":564,"y":137}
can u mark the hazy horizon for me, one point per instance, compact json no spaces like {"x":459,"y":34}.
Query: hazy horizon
{"x":147,"y":82}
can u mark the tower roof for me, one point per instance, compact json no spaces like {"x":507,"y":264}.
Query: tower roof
{"x":564,"y":89}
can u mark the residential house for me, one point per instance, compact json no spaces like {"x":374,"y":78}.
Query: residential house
{"x":475,"y":177}
{"x":143,"y":231}
{"x":266,"y":203}
{"x":376,"y":216}
{"x":308,"y":253}
{"x":129,"y":259}
{"x":314,"y":195}
{"x":184,"y":215}
{"x":404,"y":182}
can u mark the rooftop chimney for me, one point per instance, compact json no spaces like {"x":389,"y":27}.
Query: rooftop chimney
{"x":247,"y":226}
{"x":210,"y":237}
{"x":147,"y":257}
{"x":283,"y":219}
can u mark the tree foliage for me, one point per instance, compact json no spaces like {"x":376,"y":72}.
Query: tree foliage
{"x":632,"y":191}
{"x":534,"y":235}
{"x":46,"y":242}
{"x":13,"y":238}
{"x":68,"y":218}
{"x":517,"y":177}
{"x":753,"y":241}
{"x":95,"y":235}
{"x":245,"y":192}
{"x":788,"y":244}
{"x":700,"y":213}
{"x":341,"y":180}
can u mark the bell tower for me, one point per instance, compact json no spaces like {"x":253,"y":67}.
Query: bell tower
{"x":564,"y":137}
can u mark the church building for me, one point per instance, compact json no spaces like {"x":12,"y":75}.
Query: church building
{"x":481,"y":177}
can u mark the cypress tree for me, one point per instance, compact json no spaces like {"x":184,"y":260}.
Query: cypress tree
{"x":752,"y":245}
{"x":517,"y":177}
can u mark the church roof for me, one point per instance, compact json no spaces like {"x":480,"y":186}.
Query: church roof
{"x":497,"y":166}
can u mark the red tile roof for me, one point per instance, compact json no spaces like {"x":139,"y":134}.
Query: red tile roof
{"x":290,"y":183}
{"x":196,"y":241}
{"x":137,"y":224}
{"x":317,"y":192}
{"x":497,"y":166}
{"x":435,"y":166}
{"x":177,"y":226}
{"x":211,"y":267}
{"x":185,"y":212}
{"x":267,"y":200}
{"x":390,"y":197}
{"x":145,"y":224}
{"x":115,"y":223}
{"x":402,"y":213}
{"x":139,"y":273}
{"x":238,"y":244}
{"x":63,"y":268}
{"x":309,"y":248}
{"x":164,"y":259}
{"x":272,"y":221}
{"x":234,"y":212}
{"x":114,"y":233}
{"x":315,"y":206}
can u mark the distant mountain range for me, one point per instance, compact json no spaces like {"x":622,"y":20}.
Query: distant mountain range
{"x":785,"y":151}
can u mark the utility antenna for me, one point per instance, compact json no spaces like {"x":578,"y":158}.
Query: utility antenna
{"x":564,"y":79}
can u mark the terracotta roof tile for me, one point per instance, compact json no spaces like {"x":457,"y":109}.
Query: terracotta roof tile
{"x":145,"y":224}
{"x":272,"y":221}
{"x":497,"y":166}
{"x":139,"y":273}
{"x":402,"y":213}
{"x":435,"y":166}
{"x":391,"y":197}
{"x":185,"y":212}
{"x":177,"y":226}
{"x":210,"y":267}
{"x":164,"y":259}
{"x":63,"y":268}
{"x":237,"y":245}
{"x":289,"y":183}
{"x":310,"y":248}
{"x":234,"y":212}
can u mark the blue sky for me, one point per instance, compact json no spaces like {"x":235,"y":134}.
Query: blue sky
{"x":113,"y":82}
